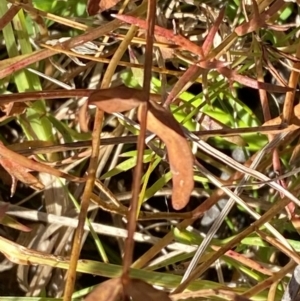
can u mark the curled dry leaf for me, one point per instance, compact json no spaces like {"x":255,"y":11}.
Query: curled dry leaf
{"x":294,"y":124}
{"x":141,"y":290}
{"x":12,"y":109}
{"x":118,"y":99}
{"x":97,"y":6}
{"x":8,"y":221}
{"x":114,"y":290}
{"x":162,"y":123}
{"x":19,"y":167}
{"x":110,"y":290}
{"x":19,"y":172}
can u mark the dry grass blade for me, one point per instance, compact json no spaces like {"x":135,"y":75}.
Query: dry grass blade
{"x":11,"y":65}
{"x":262,"y":285}
{"x":290,"y":253}
{"x":8,"y":16}
{"x":258,"y":20}
{"x":205,"y":293}
{"x":187,"y":45}
{"x":204,"y":266}
{"x":91,"y":35}
{"x":69,"y":287}
{"x":111,"y":183}
{"x":290,"y":96}
{"x":246,"y":261}
{"x":138,"y":171}
{"x":8,"y":221}
{"x":194,"y":71}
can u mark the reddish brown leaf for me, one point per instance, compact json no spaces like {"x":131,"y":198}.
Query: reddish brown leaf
{"x":179,"y":40}
{"x":12,"y":109}
{"x":107,"y":4}
{"x":189,"y":76}
{"x":3,"y":210}
{"x":250,"y":26}
{"x":250,"y":82}
{"x":93,"y":7}
{"x":118,"y":99}
{"x":11,"y":65}
{"x":10,"y":222}
{"x":140,"y":290}
{"x":294,"y":124}
{"x":110,"y":290}
{"x":136,"y":289}
{"x":194,"y":71}
{"x":19,"y":166}
{"x":208,"y":42}
{"x":259,"y":20}
{"x":212,"y":64}
{"x":18,"y":172}
{"x":96,"y":6}
{"x":8,"y":16}
{"x":162,"y":123}
{"x":168,"y":34}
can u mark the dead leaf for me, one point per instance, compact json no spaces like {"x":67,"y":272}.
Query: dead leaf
{"x":233,"y":75}
{"x":9,"y":15}
{"x":18,"y":172}
{"x":19,"y":167}
{"x":98,"y":6}
{"x":140,"y":290}
{"x":12,"y":109}
{"x":11,"y":65}
{"x":118,"y":99}
{"x":8,"y":221}
{"x":110,"y":290}
{"x":162,"y":123}
{"x":136,"y":289}
{"x":3,"y":210}
{"x":252,"y":25}
{"x":294,"y":124}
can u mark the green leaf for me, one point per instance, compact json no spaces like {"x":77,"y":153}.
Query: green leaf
{"x":124,"y":166}
{"x":159,"y":184}
{"x":68,"y":134}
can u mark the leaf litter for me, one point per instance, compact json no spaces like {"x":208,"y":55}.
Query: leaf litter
{"x":162,"y":123}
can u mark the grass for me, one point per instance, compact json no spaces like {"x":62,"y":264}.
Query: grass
{"x":250,"y":249}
